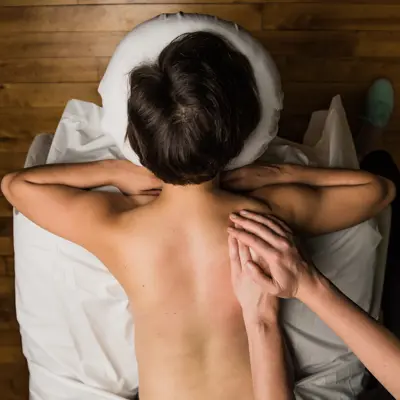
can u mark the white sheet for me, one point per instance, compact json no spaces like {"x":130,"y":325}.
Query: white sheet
{"x":76,"y":328}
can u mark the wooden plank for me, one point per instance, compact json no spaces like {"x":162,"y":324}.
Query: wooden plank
{"x":14,"y":381}
{"x":24,"y":123}
{"x":5,"y":207}
{"x":8,"y":320}
{"x":3,"y":268}
{"x":9,"y":264}
{"x":66,"y":2}
{"x":6,"y":241}
{"x":332,"y":16}
{"x":11,"y":354}
{"x":50,"y":70}
{"x":10,"y":337}
{"x":14,"y":160}
{"x":46,"y":94}
{"x":12,"y":144}
{"x":325,"y":69}
{"x":102,"y":63}
{"x":330,"y":43}
{"x":114,"y":17}
{"x":37,"y":2}
{"x":59,"y":44}
{"x":6,"y":286}
{"x":279,"y":43}
{"x":306,"y":97}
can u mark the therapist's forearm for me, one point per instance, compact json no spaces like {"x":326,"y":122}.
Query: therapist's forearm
{"x":269,"y":374}
{"x":374,"y":345}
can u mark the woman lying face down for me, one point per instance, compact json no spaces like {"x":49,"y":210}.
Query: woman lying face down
{"x":190,"y":113}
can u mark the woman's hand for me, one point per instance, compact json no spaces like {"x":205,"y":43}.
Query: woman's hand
{"x":281,"y":269}
{"x":257,"y":305}
{"x":132,"y":179}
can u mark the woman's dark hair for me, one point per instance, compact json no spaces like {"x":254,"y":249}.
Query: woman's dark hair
{"x":191,"y":111}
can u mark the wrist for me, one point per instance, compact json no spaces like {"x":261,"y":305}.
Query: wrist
{"x":312,"y":286}
{"x":269,"y":318}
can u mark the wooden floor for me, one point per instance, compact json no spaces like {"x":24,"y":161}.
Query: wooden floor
{"x":55,"y":50}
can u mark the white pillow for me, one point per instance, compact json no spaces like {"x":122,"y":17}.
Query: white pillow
{"x":145,"y":43}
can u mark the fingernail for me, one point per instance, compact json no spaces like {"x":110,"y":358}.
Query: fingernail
{"x":230,"y":230}
{"x":244,"y":212}
{"x":234,"y":216}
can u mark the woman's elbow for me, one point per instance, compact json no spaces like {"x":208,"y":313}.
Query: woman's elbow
{"x":388,"y":191}
{"x":8,"y":185}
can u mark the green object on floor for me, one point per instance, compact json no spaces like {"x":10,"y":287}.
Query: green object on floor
{"x":380,"y":103}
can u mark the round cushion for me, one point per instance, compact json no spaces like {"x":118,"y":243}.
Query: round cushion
{"x":145,"y":43}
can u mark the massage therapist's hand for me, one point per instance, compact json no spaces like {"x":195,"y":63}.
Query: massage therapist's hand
{"x":257,"y":305}
{"x":280,"y":270}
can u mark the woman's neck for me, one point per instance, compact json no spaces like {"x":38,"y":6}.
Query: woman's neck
{"x":189,"y":194}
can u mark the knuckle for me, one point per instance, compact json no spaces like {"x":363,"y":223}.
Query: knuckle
{"x":284,"y":243}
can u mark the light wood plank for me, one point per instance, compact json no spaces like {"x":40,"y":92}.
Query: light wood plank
{"x":332,"y":16}
{"x":67,"y":2}
{"x":50,"y":70}
{"x":46,"y":94}
{"x":59,"y":44}
{"x":113,"y":17}
{"x":36,"y":2}
{"x":25,"y":123}
{"x":32,"y":3}
{"x":102,"y":63}
{"x":279,"y":43}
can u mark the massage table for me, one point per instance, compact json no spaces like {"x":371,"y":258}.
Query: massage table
{"x":76,"y":328}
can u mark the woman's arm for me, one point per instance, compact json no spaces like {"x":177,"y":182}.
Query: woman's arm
{"x":315,"y":200}
{"x":290,"y":275}
{"x":260,"y":314}
{"x":53,"y":196}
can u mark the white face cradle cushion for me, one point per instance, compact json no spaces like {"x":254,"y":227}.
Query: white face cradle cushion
{"x":145,"y":43}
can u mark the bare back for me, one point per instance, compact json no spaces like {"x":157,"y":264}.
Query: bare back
{"x":172,"y":260}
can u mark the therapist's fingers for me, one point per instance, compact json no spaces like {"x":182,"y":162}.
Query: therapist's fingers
{"x":271,"y":221}
{"x":244,"y":251}
{"x":255,"y":242}
{"x":264,"y":219}
{"x":261,"y":279}
{"x":268,"y":232}
{"x":236,"y":266}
